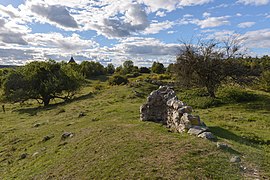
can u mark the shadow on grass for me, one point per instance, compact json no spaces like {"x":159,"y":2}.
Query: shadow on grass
{"x":262,"y":103}
{"x":250,"y":140}
{"x":35,"y":110}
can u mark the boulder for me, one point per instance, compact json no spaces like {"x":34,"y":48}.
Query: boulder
{"x":207,"y":135}
{"x":196,"y":130}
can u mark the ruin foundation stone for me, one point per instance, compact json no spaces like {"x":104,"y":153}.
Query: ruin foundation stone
{"x":164,"y":107}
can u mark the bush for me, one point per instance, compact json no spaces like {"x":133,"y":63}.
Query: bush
{"x":118,"y":80}
{"x":265,"y":81}
{"x":198,"y":98}
{"x":133,"y":75}
{"x":236,"y":94}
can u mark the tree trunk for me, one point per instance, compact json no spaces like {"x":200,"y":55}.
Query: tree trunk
{"x":211,"y":91}
{"x":46,"y":100}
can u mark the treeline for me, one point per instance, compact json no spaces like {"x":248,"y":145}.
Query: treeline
{"x":204,"y":67}
{"x":48,"y":80}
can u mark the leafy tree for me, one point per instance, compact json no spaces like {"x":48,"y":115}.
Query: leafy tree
{"x":90,"y":68}
{"x":209,"y":63}
{"x":42,"y":81}
{"x":144,"y":70}
{"x":265,"y":81}
{"x":170,"y":69}
{"x":110,"y":69}
{"x":158,"y":68}
{"x":128,"y":66}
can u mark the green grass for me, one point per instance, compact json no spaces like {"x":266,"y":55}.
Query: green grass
{"x":110,"y":142}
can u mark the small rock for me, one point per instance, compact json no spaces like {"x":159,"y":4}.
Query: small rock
{"x":235,"y":159}
{"x":66,"y":135}
{"x":35,"y":154}
{"x":207,"y":135}
{"x":48,"y":137}
{"x":222,"y":145}
{"x":37,"y":125}
{"x":185,"y":109}
{"x":23,"y":156}
{"x":82,"y":114}
{"x":196,"y":130}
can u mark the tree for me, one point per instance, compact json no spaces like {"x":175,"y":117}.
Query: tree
{"x":144,"y":70}
{"x":110,"y":68}
{"x":90,"y":68}
{"x":42,"y":81}
{"x":158,"y":68}
{"x":128,"y":65}
{"x":208,"y":63}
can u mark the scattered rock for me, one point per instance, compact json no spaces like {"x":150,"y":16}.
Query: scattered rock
{"x":66,"y":135}
{"x":207,"y":135}
{"x":196,"y":130}
{"x":81,"y":114}
{"x":222,"y":145}
{"x":48,"y":137}
{"x":235,"y":159}
{"x":23,"y":156}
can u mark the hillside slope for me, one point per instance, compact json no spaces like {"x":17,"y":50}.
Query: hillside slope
{"x":109,"y":141}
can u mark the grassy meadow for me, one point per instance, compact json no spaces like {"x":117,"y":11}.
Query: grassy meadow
{"x":110,"y":141}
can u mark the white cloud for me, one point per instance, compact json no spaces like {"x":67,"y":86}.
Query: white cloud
{"x":170,"y":5}
{"x":246,"y":24}
{"x":210,"y":22}
{"x":156,"y":27}
{"x":161,"y":14}
{"x":54,"y":14}
{"x":12,"y":33}
{"x":258,"y":38}
{"x":254,"y":2}
{"x":206,"y":14}
{"x":171,"y":32}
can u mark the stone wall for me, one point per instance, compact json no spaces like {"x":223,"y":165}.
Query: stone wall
{"x":163,"y":106}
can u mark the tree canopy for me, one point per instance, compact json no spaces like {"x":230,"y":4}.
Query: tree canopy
{"x":42,"y":81}
{"x":209,"y":63}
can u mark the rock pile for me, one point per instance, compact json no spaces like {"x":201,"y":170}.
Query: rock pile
{"x":163,"y":106}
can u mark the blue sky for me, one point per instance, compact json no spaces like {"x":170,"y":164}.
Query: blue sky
{"x":112,"y":31}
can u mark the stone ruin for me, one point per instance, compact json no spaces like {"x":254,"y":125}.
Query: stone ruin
{"x":164,"y":107}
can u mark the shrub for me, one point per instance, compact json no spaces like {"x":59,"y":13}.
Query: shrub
{"x":118,"y":80}
{"x":265,"y":81}
{"x":133,"y":75}
{"x":236,"y":94}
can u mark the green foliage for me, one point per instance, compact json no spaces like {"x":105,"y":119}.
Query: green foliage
{"x":161,"y":77}
{"x":110,"y":69}
{"x":144,"y":70}
{"x":198,"y":98}
{"x":208,"y":65}
{"x":127,"y":68}
{"x":236,"y":95}
{"x":133,"y":75}
{"x":41,"y":81}
{"x":158,"y":68}
{"x":90,"y":68}
{"x":118,"y":80}
{"x":265,"y":81}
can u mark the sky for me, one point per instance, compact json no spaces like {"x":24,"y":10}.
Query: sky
{"x":112,"y":31}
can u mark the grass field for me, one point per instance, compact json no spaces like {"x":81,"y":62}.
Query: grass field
{"x":110,"y":142}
